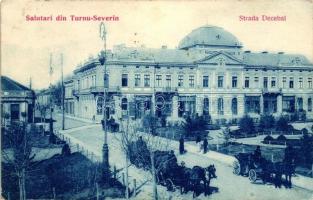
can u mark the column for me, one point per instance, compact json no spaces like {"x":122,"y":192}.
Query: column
{"x":279,"y":104}
{"x":175,"y":107}
{"x":199,"y":105}
{"x":261,"y":104}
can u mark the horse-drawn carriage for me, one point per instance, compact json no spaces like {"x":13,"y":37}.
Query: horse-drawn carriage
{"x":170,"y":174}
{"x":258,"y":168}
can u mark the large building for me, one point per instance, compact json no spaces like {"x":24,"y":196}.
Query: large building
{"x":208,"y":74}
{"x":17,"y":101}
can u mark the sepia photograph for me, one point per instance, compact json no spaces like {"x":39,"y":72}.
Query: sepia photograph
{"x":156,"y":100}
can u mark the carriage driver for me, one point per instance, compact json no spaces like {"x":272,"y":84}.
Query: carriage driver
{"x":257,"y":154}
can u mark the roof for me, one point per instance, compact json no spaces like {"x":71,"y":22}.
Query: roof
{"x":8,"y":84}
{"x":275,"y":59}
{"x":162,"y":55}
{"x":209,"y":36}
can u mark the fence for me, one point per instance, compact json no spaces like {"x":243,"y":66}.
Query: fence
{"x":118,"y":174}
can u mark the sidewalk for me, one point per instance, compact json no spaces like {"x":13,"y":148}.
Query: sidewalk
{"x":79,"y":119}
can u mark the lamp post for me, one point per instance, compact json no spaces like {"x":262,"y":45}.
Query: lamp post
{"x":105,"y":149}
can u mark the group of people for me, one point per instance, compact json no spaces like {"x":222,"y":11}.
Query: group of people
{"x":202,"y":146}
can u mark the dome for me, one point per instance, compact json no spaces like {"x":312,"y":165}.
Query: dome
{"x":209,"y":36}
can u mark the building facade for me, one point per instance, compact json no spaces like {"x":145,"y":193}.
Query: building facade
{"x":208,"y":74}
{"x":17,"y":101}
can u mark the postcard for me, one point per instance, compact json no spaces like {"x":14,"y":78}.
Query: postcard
{"x":157,"y":100}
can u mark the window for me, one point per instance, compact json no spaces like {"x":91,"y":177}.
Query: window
{"x":220,"y":106}
{"x":124,"y":104}
{"x":220,"y":80}
{"x":205,"y":81}
{"x":291,"y":82}
{"x":180,"y":80}
{"x":252,"y":104}
{"x":168,"y":80}
{"x":234,"y":106}
{"x":147,"y":80}
{"x":15,"y":111}
{"x":234,"y":81}
{"x":310,"y":104}
{"x":284,"y":82}
{"x":301,"y":82}
{"x":288,"y":104}
{"x":137,"y":80}
{"x":265,"y":82}
{"x":310,"y":83}
{"x":273,"y":82}
{"x":247,"y":82}
{"x":191,"y":81}
{"x":256,"y":82}
{"x":158,"y":80}
{"x":124,"y":80}
{"x":300,"y":103}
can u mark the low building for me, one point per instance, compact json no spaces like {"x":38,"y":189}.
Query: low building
{"x":17,"y":101}
{"x":208,"y":74}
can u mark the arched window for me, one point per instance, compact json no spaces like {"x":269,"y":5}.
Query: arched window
{"x":234,"y":106}
{"x":124,"y":104}
{"x":220,"y":106}
{"x":309,"y":104}
{"x":99,"y":105}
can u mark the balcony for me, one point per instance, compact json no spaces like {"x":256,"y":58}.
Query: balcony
{"x":95,"y":89}
{"x":271,"y":91}
{"x":166,"y":89}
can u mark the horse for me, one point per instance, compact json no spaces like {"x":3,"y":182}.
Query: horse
{"x":196,"y":176}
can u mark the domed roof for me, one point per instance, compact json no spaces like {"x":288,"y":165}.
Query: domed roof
{"x":209,"y":36}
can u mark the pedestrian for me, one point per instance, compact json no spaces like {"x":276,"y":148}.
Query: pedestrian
{"x":205,"y":145}
{"x":181,"y":145}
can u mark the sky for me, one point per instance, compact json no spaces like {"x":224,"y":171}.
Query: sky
{"x":26,"y":45}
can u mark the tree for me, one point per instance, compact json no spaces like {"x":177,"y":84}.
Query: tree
{"x":194,"y":125}
{"x":128,"y":136}
{"x":307,"y":149}
{"x":19,"y":154}
{"x":282,"y":124}
{"x":246,"y":125}
{"x":149,"y":124}
{"x":267,"y":122}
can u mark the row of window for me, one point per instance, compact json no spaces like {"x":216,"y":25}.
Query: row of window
{"x":87,"y":82}
{"x":205,"y":81}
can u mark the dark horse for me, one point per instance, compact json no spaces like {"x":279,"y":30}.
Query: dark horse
{"x":277,"y":170}
{"x":197,"y":175}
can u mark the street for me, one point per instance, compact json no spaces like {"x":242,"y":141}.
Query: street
{"x":230,"y":186}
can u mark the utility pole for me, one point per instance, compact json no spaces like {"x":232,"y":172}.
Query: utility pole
{"x":63,"y":93}
{"x":50,"y":85}
{"x":105,"y":149}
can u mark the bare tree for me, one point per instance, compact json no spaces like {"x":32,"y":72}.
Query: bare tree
{"x":152,"y":144}
{"x":19,"y":154}
{"x":128,"y":136}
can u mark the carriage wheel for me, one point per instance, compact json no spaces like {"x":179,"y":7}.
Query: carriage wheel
{"x":236,"y":168}
{"x":252,"y":175}
{"x":169,"y":185}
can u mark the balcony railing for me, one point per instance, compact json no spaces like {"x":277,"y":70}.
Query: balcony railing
{"x":271,"y":90}
{"x":166,"y":89}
